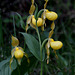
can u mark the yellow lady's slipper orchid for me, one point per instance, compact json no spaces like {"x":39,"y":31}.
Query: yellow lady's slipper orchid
{"x":18,"y":52}
{"x":56,"y":45}
{"x":50,"y":15}
{"x":39,"y":21}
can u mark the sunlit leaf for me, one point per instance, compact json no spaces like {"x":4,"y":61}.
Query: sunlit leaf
{"x":15,"y":41}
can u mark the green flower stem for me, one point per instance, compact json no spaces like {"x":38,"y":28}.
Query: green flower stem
{"x":43,"y":43}
{"x":40,"y":47}
{"x":41,"y":55}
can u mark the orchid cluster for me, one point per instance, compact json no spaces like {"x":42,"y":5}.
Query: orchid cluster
{"x":46,"y":14}
{"x":36,"y":21}
{"x":17,"y":51}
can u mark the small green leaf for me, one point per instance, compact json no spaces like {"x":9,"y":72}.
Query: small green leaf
{"x":32,"y":44}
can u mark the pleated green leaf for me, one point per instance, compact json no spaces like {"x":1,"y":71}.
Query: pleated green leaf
{"x":32,"y":44}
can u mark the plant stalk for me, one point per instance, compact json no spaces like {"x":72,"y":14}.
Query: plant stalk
{"x":40,"y":48}
{"x":15,"y":36}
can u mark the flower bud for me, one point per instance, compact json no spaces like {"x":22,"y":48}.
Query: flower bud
{"x":56,"y":45}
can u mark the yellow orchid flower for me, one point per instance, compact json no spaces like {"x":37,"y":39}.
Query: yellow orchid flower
{"x":50,"y":15}
{"x":31,"y":11}
{"x":39,"y":21}
{"x":55,"y":45}
{"x":43,"y":16}
{"x":17,"y":52}
{"x":32,"y":21}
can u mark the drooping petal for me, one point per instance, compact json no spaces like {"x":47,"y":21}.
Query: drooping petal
{"x":55,"y":54}
{"x":43,"y":16}
{"x":29,"y":19}
{"x":45,"y":4}
{"x":15,"y":41}
{"x":48,"y":51}
{"x":32,"y":1}
{"x":28,"y":22}
{"x":11,"y":60}
{"x":32,"y":9}
{"x":12,"y":52}
{"x":53,"y":25}
{"x":19,"y":61}
{"x":27,"y":27}
{"x":32,"y":26}
{"x":51,"y":33}
{"x":26,"y":55}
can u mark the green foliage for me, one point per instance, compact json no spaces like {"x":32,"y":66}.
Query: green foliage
{"x":32,"y":44}
{"x":65,"y":31}
{"x":4,"y":67}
